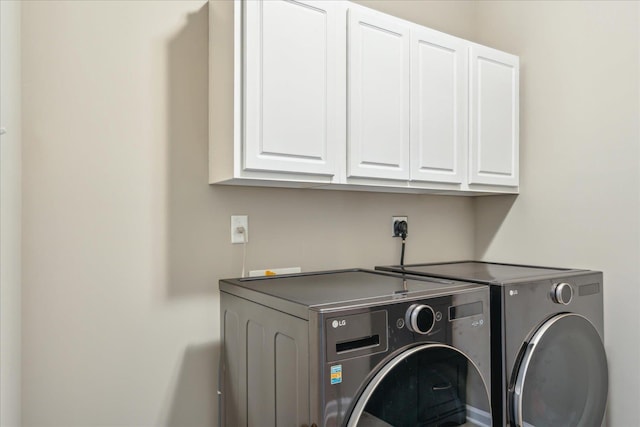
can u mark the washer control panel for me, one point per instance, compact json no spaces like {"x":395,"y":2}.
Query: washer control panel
{"x":356,"y":334}
{"x":371,"y":331}
{"x":429,"y":319}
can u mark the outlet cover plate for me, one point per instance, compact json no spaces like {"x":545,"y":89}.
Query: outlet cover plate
{"x":239,"y":221}
{"x":393,"y":221}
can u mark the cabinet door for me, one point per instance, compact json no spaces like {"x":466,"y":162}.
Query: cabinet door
{"x":439,"y":93}
{"x":494,"y":129}
{"x":378,"y":96}
{"x":292,"y":99}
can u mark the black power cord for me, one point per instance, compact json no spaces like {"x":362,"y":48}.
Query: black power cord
{"x":401,"y":228}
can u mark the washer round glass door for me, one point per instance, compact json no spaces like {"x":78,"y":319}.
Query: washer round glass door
{"x":426,"y":385}
{"x":562,"y":378}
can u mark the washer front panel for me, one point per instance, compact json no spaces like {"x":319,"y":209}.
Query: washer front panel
{"x":355,"y":348}
{"x":427,"y":385}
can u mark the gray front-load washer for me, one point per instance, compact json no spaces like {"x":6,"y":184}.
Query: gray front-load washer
{"x":549,"y":363}
{"x":354,"y":348}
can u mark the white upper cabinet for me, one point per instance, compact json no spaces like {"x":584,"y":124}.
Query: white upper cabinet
{"x":438,"y":106}
{"x":292,"y":67}
{"x":378,"y":96}
{"x":331,"y":94}
{"x":494,"y":130}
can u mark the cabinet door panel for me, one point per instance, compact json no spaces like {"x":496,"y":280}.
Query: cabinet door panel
{"x":438,"y":106}
{"x":291,"y":86}
{"x":378,"y":96}
{"x":494,"y":117}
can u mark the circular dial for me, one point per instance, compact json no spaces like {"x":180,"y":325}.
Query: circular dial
{"x":420,"y":318}
{"x":562,"y":293}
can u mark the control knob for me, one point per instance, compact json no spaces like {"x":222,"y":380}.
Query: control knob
{"x":562,"y":293}
{"x":420,"y":318}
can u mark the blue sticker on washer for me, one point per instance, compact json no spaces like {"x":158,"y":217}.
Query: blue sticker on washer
{"x":336,"y":374}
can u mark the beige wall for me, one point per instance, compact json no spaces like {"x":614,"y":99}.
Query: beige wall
{"x":124,"y":240}
{"x":452,"y":17}
{"x":10,"y":214}
{"x":580,"y":151}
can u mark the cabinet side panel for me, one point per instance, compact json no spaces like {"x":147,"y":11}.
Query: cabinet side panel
{"x":222,"y":88}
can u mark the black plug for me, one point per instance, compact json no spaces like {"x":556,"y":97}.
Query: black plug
{"x":401,"y":229}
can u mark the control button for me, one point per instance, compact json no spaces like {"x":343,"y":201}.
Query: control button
{"x":438,"y":316}
{"x":562,"y":293}
{"x":420,"y":318}
{"x":400,"y":323}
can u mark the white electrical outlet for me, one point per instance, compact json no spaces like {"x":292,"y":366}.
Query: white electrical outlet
{"x":239,"y":228}
{"x":393,"y":222}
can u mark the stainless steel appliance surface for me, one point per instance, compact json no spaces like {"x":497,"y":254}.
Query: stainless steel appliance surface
{"x":354,"y":348}
{"x":548,"y":364}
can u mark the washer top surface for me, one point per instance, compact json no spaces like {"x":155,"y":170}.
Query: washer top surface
{"x":335,"y":288}
{"x":483,"y":272}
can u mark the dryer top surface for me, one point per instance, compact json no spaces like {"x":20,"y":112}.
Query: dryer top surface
{"x":483,"y":272}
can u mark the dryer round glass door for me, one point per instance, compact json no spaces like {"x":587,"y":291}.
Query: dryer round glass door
{"x":562,"y":378}
{"x":426,"y":385}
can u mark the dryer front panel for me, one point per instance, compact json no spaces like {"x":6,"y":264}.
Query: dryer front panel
{"x":561,"y":377}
